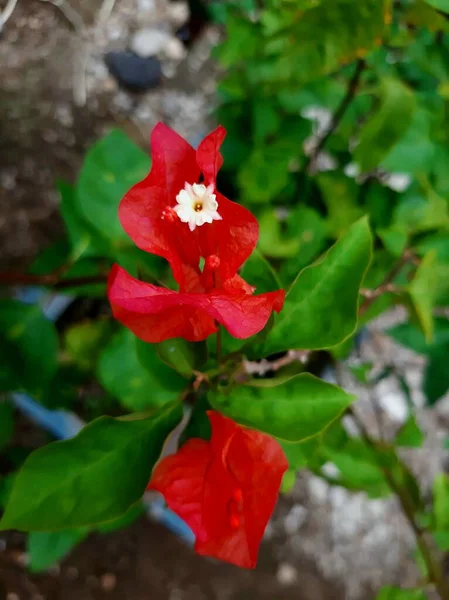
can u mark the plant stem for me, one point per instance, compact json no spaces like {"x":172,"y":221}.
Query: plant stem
{"x":351,"y":92}
{"x":433,"y":568}
{"x":387,"y":284}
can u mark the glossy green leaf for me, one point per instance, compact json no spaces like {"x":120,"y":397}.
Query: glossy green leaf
{"x":111,"y":167}
{"x":387,"y":125}
{"x":93,"y":477}
{"x":6,"y":423}
{"x":394,"y":593}
{"x":28,"y":348}
{"x":321,"y":306}
{"x":293,"y":410}
{"x":45,"y":548}
{"x":131,"y":371}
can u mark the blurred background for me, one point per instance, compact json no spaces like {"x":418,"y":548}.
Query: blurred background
{"x":295,"y":95}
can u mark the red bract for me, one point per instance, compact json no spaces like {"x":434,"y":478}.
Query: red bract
{"x":225,"y":489}
{"x":147,"y":210}
{"x":170,"y":214}
{"x":155,"y":314}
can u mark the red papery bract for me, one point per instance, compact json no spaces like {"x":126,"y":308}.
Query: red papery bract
{"x":225,"y":489}
{"x":145,"y":210}
{"x":155,"y":314}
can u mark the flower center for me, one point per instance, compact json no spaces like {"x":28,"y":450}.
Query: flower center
{"x":197,"y":205}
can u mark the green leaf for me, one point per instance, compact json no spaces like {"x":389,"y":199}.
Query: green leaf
{"x":308,"y":227}
{"x":410,"y":435}
{"x":441,"y":502}
{"x":258,"y":272}
{"x":28,"y":348}
{"x":415,"y":151}
{"x":423,"y":291}
{"x":112,"y":166}
{"x":84,"y":341}
{"x":272,"y":242}
{"x":411,"y":337}
{"x":442,"y":5}
{"x":180,"y":355}
{"x":442,"y":540}
{"x":436,"y":376}
{"x":93,"y":477}
{"x":388,"y":124}
{"x":362,"y":371}
{"x":293,"y":410}
{"x":131,"y":371}
{"x":131,"y":515}
{"x":394,"y":593}
{"x":339,"y":194}
{"x":321,"y":306}
{"x":45,"y":548}
{"x":394,"y":239}
{"x":84,"y":239}
{"x":6,"y":423}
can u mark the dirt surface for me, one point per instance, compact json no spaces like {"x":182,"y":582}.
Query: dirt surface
{"x":146,"y":561}
{"x":57,"y":97}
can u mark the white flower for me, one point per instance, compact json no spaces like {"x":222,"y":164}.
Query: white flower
{"x":197,"y":205}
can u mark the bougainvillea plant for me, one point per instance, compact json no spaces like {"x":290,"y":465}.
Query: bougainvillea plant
{"x":225,"y":489}
{"x":339,"y":150}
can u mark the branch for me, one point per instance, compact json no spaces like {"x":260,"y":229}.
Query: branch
{"x":348,"y":98}
{"x":7,"y":12}
{"x":387,"y":285}
{"x":105,"y":12}
{"x":434,"y":570}
{"x":70,"y":14}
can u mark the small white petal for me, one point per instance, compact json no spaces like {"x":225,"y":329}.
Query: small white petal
{"x":188,"y":200}
{"x":183,"y":197}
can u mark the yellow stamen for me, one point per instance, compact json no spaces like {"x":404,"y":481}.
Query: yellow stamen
{"x":198,"y":207}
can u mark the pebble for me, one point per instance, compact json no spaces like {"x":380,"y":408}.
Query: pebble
{"x":108,"y":582}
{"x":175,"y":49}
{"x":149,"y":41}
{"x":286,"y":574}
{"x":178,"y":13}
{"x":133,"y":72}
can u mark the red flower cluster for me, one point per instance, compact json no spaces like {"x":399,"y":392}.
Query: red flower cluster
{"x":174,"y":215}
{"x":225,"y":489}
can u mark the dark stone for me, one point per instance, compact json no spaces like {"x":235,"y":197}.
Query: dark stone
{"x":133,"y":72}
